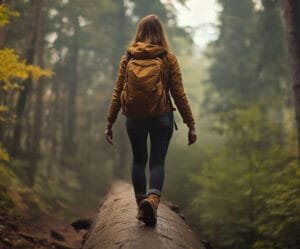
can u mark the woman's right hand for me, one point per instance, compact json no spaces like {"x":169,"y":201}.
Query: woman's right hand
{"x":192,"y":136}
{"x":109,"y":134}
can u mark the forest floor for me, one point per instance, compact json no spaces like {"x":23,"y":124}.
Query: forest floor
{"x":28,"y":227}
{"x":47,"y":232}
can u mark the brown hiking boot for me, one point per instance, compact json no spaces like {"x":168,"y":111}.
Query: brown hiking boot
{"x":149,"y":208}
{"x":138,"y":199}
{"x":139,"y":214}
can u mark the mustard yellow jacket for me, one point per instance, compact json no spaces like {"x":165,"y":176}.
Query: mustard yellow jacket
{"x":172,"y":77}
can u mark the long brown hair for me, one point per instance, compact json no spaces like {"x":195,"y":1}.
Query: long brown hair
{"x":150,"y":30}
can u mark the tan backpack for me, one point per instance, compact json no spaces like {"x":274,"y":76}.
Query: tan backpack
{"x":144,"y":93}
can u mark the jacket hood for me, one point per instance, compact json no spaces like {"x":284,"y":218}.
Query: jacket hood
{"x":142,"y":50}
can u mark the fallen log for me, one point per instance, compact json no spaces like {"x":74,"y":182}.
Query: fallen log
{"x":115,"y":225}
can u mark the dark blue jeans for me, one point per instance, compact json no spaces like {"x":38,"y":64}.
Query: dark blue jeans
{"x":160,"y":130}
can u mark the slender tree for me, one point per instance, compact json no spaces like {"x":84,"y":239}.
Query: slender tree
{"x":72,"y":88}
{"x":27,"y":84}
{"x":292,"y":23}
{"x":38,"y":105}
{"x":120,"y":43}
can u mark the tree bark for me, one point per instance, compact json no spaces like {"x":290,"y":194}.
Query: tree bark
{"x":55,"y":123}
{"x":72,"y":91}
{"x":27,"y":84}
{"x":121,"y":145}
{"x":38,"y":105}
{"x":115,"y":225}
{"x":292,"y":24}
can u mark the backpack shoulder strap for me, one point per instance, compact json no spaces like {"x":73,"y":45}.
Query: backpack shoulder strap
{"x":129,"y":56}
{"x":164,"y":56}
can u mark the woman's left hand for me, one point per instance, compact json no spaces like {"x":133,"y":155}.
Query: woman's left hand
{"x":192,"y":135}
{"x":109,"y":134}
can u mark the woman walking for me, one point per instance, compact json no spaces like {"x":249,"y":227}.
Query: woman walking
{"x":147,"y":73}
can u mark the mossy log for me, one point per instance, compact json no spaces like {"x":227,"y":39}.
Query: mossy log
{"x":115,"y":225}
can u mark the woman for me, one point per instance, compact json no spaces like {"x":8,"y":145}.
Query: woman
{"x":149,"y":44}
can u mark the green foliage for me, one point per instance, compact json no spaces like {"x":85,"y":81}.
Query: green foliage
{"x":12,"y":69}
{"x":248,"y":193}
{"x":12,"y":72}
{"x":281,"y":221}
{"x":248,"y":190}
{"x":6,"y":176}
{"x":15,"y":197}
{"x":233,"y":72}
{"x":4,"y":157}
{"x":180,"y":165}
{"x":240,"y":182}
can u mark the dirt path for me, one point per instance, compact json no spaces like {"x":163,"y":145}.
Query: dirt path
{"x":49,"y":232}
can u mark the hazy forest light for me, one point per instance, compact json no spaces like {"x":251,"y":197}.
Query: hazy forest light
{"x":201,"y":16}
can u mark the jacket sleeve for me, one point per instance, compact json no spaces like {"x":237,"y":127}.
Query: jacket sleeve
{"x":177,"y":92}
{"x":115,"y":104}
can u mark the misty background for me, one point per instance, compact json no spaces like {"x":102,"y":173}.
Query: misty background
{"x":238,"y":185}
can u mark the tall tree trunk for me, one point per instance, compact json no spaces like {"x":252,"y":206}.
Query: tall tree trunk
{"x":53,"y":125}
{"x":120,"y":152}
{"x":72,"y":91}
{"x":27,"y":84}
{"x":292,"y":23}
{"x":37,"y":122}
{"x":3,"y":101}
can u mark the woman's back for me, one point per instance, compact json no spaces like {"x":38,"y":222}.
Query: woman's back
{"x":147,"y":73}
{"x":171,"y":77}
